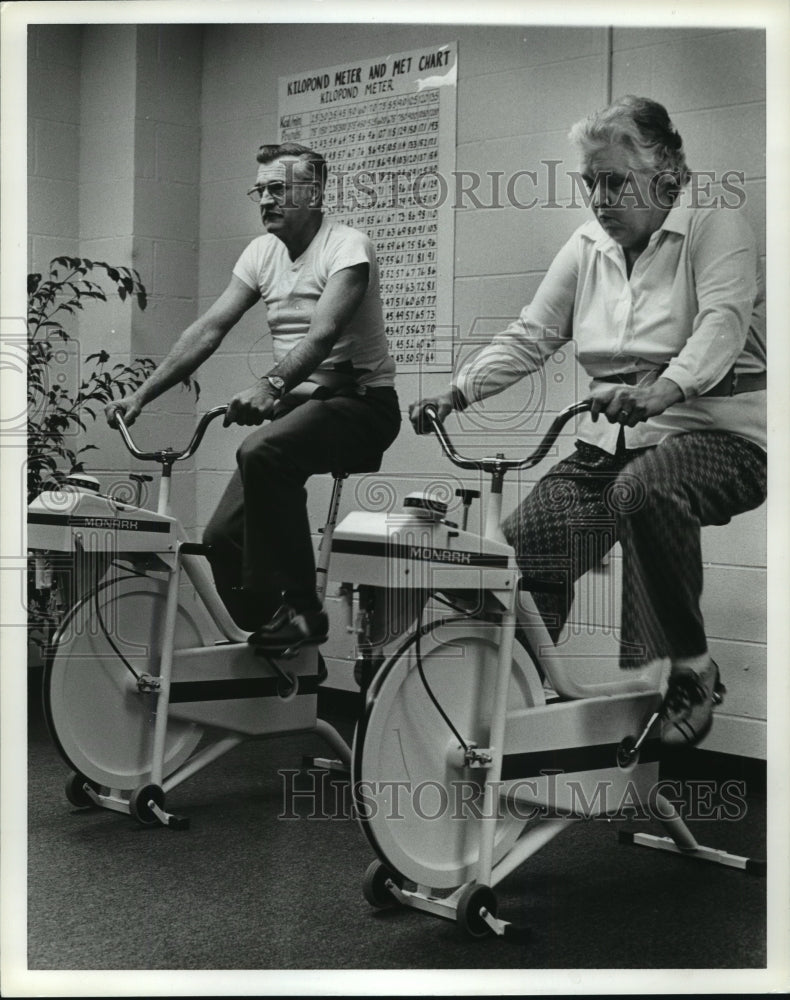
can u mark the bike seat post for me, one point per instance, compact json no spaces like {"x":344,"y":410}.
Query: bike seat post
{"x":493,"y":520}
{"x":163,"y":500}
{"x":467,"y":496}
{"x":328,"y":530}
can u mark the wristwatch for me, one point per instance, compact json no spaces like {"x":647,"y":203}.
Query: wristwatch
{"x":276,"y":383}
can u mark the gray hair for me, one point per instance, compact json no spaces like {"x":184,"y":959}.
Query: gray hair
{"x":314,"y":162}
{"x":643,"y":129}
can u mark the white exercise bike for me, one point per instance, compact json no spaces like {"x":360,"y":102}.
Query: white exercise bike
{"x":479,"y":743}
{"x":148,"y":679}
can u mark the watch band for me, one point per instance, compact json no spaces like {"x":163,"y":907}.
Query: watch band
{"x":276,"y":383}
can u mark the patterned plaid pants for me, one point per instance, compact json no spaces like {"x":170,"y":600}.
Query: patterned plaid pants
{"x":654,"y":502}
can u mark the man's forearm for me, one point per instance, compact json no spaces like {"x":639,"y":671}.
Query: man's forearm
{"x":195,"y":344}
{"x":302,"y":360}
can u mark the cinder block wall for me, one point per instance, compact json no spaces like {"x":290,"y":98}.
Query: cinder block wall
{"x":53,"y":141}
{"x":114,"y":164}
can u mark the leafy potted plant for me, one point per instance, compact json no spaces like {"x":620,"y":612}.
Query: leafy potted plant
{"x":58,"y":410}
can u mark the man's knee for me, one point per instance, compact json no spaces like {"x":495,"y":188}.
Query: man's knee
{"x":257,"y":449}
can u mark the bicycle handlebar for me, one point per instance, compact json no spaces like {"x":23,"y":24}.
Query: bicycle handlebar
{"x":166,"y":455}
{"x":499,"y":465}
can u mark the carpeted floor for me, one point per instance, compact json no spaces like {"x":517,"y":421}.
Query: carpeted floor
{"x":244,"y":889}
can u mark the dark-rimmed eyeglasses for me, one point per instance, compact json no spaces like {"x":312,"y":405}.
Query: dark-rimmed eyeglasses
{"x":277,"y":190}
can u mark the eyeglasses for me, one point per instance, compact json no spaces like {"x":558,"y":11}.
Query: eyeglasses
{"x":277,"y":191}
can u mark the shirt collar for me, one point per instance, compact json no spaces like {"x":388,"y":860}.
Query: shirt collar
{"x":679,"y":217}
{"x":677,"y":221}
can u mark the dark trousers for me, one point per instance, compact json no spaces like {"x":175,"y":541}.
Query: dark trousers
{"x":261,"y":550}
{"x":654,"y":502}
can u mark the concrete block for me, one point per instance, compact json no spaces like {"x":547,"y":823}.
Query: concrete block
{"x":53,"y":91}
{"x":230,"y":145}
{"x":178,"y":153}
{"x":169,"y":83}
{"x":569,"y":90}
{"x":512,"y":240}
{"x":166,"y":210}
{"x":701,"y":72}
{"x":635,"y":38}
{"x":53,"y":207}
{"x":488,"y":46}
{"x":115,"y":250}
{"x":43,"y":247}
{"x":743,"y":542}
{"x":107,"y":154}
{"x":103,"y":214}
{"x":707,"y":138}
{"x":743,"y":671}
{"x":109,"y":71}
{"x":175,"y":268}
{"x":56,"y":44}
{"x":145,"y":130}
{"x":733,"y":601}
{"x":548,"y":155}
{"x":210,"y":486}
{"x":216,"y":263}
{"x":226,"y":212}
{"x":500,"y":300}
{"x":55,"y":150}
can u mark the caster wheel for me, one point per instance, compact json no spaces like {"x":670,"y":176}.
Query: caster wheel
{"x":75,"y":791}
{"x":374,"y":886}
{"x":138,"y":804}
{"x":467,"y":914}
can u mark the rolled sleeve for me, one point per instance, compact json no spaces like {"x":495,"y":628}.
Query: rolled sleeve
{"x":723,"y":258}
{"x":354,"y":248}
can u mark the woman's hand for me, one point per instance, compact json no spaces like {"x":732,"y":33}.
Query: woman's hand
{"x":129,"y":408}
{"x":442,"y":404}
{"x":632,"y":404}
{"x":252,"y":406}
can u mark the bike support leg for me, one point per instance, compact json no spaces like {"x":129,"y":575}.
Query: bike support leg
{"x":682,"y":841}
{"x":331,"y":736}
{"x":496,"y":746}
{"x":447,"y":907}
{"x":165,"y":674}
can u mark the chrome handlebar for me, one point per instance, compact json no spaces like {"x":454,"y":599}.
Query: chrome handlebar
{"x":167,"y":456}
{"x":499,"y":465}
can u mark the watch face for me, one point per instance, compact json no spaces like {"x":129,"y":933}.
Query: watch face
{"x":276,"y":382}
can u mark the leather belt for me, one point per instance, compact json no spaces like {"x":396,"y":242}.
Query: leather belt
{"x":730,"y":385}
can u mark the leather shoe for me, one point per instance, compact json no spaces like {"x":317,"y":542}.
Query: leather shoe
{"x":687,"y":710}
{"x":296,"y":629}
{"x":278,"y":619}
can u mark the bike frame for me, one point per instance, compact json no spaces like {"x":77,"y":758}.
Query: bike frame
{"x":621,"y":713}
{"x":220,"y":686}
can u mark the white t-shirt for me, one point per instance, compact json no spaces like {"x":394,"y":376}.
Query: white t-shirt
{"x":291,"y":289}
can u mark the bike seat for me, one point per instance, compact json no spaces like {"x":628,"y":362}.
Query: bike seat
{"x":372,"y":464}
